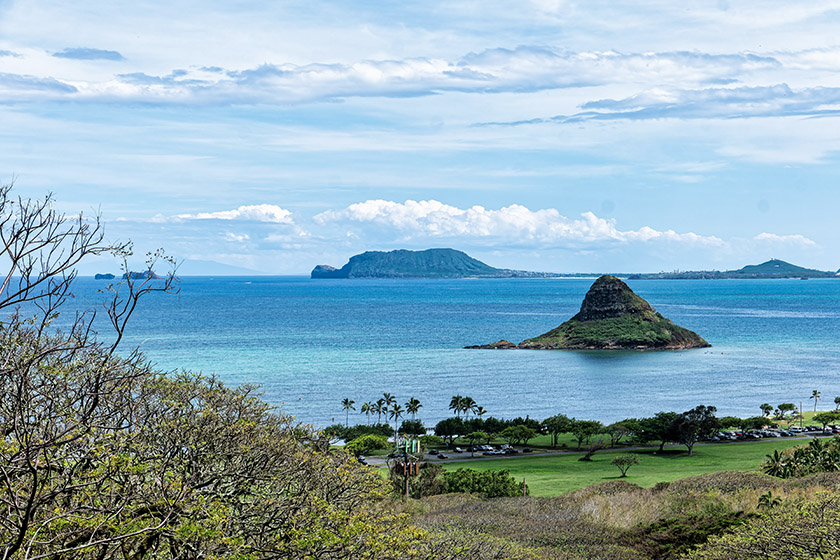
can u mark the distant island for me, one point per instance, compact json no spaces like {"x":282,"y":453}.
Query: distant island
{"x":611,"y":317}
{"x":431,"y":263}
{"x":132,"y":275}
{"x":774,"y":268}
{"x":451,"y":263}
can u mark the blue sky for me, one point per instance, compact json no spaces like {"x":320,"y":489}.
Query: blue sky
{"x":542,"y":134}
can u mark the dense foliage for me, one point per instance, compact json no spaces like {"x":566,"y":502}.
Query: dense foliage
{"x":165,"y":467}
{"x":102,"y":457}
{"x":489,"y":484}
{"x":816,"y":457}
{"x":794,"y":531}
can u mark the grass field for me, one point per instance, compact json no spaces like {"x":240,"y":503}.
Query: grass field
{"x":556,"y":474}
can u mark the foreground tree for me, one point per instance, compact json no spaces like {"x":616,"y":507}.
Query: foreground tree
{"x":104,"y":458}
{"x":788,"y":531}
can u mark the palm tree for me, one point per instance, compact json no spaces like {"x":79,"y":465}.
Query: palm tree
{"x":412,"y":407}
{"x":837,"y":402}
{"x":776,"y":465}
{"x":468,"y":405}
{"x":347,"y":404}
{"x":380,"y":408}
{"x":389,"y":399}
{"x":396,"y":413}
{"x":367,"y":410}
{"x":816,"y":396}
{"x":456,"y":405}
{"x":479,"y":411}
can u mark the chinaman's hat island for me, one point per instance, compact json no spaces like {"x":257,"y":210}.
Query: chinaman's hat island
{"x":611,"y":317}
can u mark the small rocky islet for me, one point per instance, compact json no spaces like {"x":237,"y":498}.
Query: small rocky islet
{"x":611,"y":317}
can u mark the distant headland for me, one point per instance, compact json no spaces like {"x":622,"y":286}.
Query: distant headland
{"x":451,"y":263}
{"x":431,"y":263}
{"x":774,"y":268}
{"x":611,"y":317}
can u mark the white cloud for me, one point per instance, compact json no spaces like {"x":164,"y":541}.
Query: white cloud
{"x":775,"y":239}
{"x":235,"y":237}
{"x":257,"y":213}
{"x":525,"y":68}
{"x":513,"y":224}
{"x":737,"y":102}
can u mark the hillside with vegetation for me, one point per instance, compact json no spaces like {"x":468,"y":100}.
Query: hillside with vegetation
{"x":431,"y":263}
{"x":772,"y":269}
{"x":612,"y":317}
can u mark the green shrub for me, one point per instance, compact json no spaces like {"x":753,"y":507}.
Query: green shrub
{"x":490,"y":484}
{"x":366,"y":444}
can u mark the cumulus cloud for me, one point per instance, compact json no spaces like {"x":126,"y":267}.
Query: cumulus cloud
{"x":83,"y":53}
{"x":269,"y":213}
{"x":514,"y":224}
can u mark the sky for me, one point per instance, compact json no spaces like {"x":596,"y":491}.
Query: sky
{"x":544,"y":135}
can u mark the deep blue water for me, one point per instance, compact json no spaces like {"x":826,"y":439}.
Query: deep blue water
{"x":311,"y":343}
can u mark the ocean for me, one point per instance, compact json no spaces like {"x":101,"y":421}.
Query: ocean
{"x":311,"y":343}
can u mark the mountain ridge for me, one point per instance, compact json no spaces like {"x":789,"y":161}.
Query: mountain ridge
{"x":429,"y":263}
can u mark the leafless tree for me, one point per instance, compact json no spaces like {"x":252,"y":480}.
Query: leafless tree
{"x":104,"y":458}
{"x":47,"y":418}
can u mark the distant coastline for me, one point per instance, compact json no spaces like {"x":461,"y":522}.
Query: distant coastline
{"x":451,"y":263}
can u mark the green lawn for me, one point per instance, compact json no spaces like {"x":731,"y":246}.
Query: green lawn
{"x":554,"y":475}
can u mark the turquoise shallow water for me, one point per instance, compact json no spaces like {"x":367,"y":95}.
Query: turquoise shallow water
{"x":311,"y":343}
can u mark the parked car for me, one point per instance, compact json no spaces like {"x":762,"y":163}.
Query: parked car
{"x":458,"y":450}
{"x":433,"y":452}
{"x":526,"y":450}
{"x":510,"y":451}
{"x":443,"y":456}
